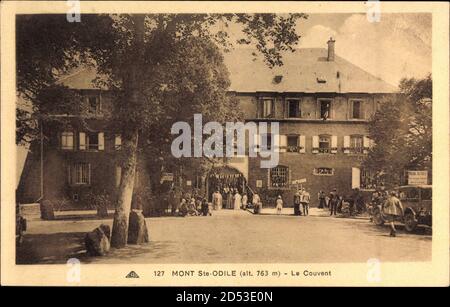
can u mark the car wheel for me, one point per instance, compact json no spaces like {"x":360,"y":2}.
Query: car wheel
{"x":410,"y":222}
{"x":378,"y":218}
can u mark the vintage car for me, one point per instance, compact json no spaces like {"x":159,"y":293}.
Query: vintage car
{"x":416,"y":201}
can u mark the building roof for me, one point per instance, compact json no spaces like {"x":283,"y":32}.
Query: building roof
{"x":306,"y":70}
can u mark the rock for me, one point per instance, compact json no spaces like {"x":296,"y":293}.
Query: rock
{"x":137,"y":228}
{"x":47,"y":210}
{"x":106,"y":230}
{"x":97,"y":241}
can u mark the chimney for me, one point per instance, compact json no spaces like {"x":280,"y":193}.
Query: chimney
{"x":330,"y":50}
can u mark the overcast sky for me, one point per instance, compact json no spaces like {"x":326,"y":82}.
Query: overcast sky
{"x":397,"y":46}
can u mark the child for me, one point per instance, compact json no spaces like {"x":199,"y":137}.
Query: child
{"x":279,"y":205}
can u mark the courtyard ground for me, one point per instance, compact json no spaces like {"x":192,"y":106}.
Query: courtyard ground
{"x":231,"y":236}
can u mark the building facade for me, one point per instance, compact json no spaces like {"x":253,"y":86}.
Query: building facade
{"x":321,"y":102}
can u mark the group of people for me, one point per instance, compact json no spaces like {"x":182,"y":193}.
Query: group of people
{"x":234,"y":200}
{"x":193,"y":205}
{"x":302,"y":199}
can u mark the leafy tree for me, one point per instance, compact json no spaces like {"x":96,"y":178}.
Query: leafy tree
{"x":402,"y":131}
{"x":161,"y":68}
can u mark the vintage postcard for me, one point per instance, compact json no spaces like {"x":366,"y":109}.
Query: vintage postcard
{"x":225,"y":143}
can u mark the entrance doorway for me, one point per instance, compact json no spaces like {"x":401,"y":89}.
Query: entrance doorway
{"x":227,"y":180}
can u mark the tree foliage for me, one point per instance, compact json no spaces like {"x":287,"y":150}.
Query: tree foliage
{"x":402,"y":131}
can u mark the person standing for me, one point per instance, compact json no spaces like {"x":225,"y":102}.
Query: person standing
{"x":392,"y":208}
{"x":230,"y":199}
{"x":334,"y":199}
{"x":297,"y":203}
{"x":256,"y":201}
{"x":306,"y":198}
{"x":321,"y":198}
{"x":244,"y":201}
{"x":237,"y":200}
{"x":279,"y":205}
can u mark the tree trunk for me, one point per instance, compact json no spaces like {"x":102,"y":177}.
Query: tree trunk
{"x":119,"y":234}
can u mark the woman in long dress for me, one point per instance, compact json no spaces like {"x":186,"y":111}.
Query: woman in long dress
{"x":237,"y":200}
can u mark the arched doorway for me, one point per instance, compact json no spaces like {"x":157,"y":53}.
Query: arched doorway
{"x":226,"y":180}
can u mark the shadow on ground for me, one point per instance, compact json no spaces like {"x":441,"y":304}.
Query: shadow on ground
{"x":57,"y":248}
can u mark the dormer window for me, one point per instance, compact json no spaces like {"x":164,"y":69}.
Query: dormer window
{"x":277,"y":79}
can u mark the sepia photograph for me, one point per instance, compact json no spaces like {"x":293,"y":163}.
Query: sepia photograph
{"x":224,"y":137}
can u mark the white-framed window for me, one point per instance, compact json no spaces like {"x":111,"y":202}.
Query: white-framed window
{"x":91,"y":141}
{"x":79,"y":173}
{"x":67,"y":140}
{"x":279,"y":177}
{"x":293,"y":143}
{"x":323,"y":171}
{"x":356,"y":144}
{"x":293,"y":108}
{"x":324,"y":143}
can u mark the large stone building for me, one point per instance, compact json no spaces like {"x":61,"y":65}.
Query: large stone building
{"x":321,"y":101}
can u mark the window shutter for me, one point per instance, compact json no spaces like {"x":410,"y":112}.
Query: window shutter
{"x":101,"y":141}
{"x":82,"y":141}
{"x":276,"y":143}
{"x":334,"y":144}
{"x":346,"y":144}
{"x":256,"y":142}
{"x":70,"y":140}
{"x":118,"y":141}
{"x":315,"y":143}
{"x":302,"y":144}
{"x":356,"y":178}
{"x":366,"y":142}
{"x":334,"y":141}
{"x":283,"y":143}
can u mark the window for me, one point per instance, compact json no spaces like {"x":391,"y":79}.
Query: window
{"x":325,"y":108}
{"x":266,"y":109}
{"x":67,"y":140}
{"x":80,"y":173}
{"x":323,"y":171}
{"x":94,"y":105}
{"x":279,"y":177}
{"x":292,"y":143}
{"x":91,"y":141}
{"x":324,"y":144}
{"x":370,"y":180}
{"x":356,"y":144}
{"x":294,"y":108}
{"x":266,"y":141}
{"x":357,"y":109}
